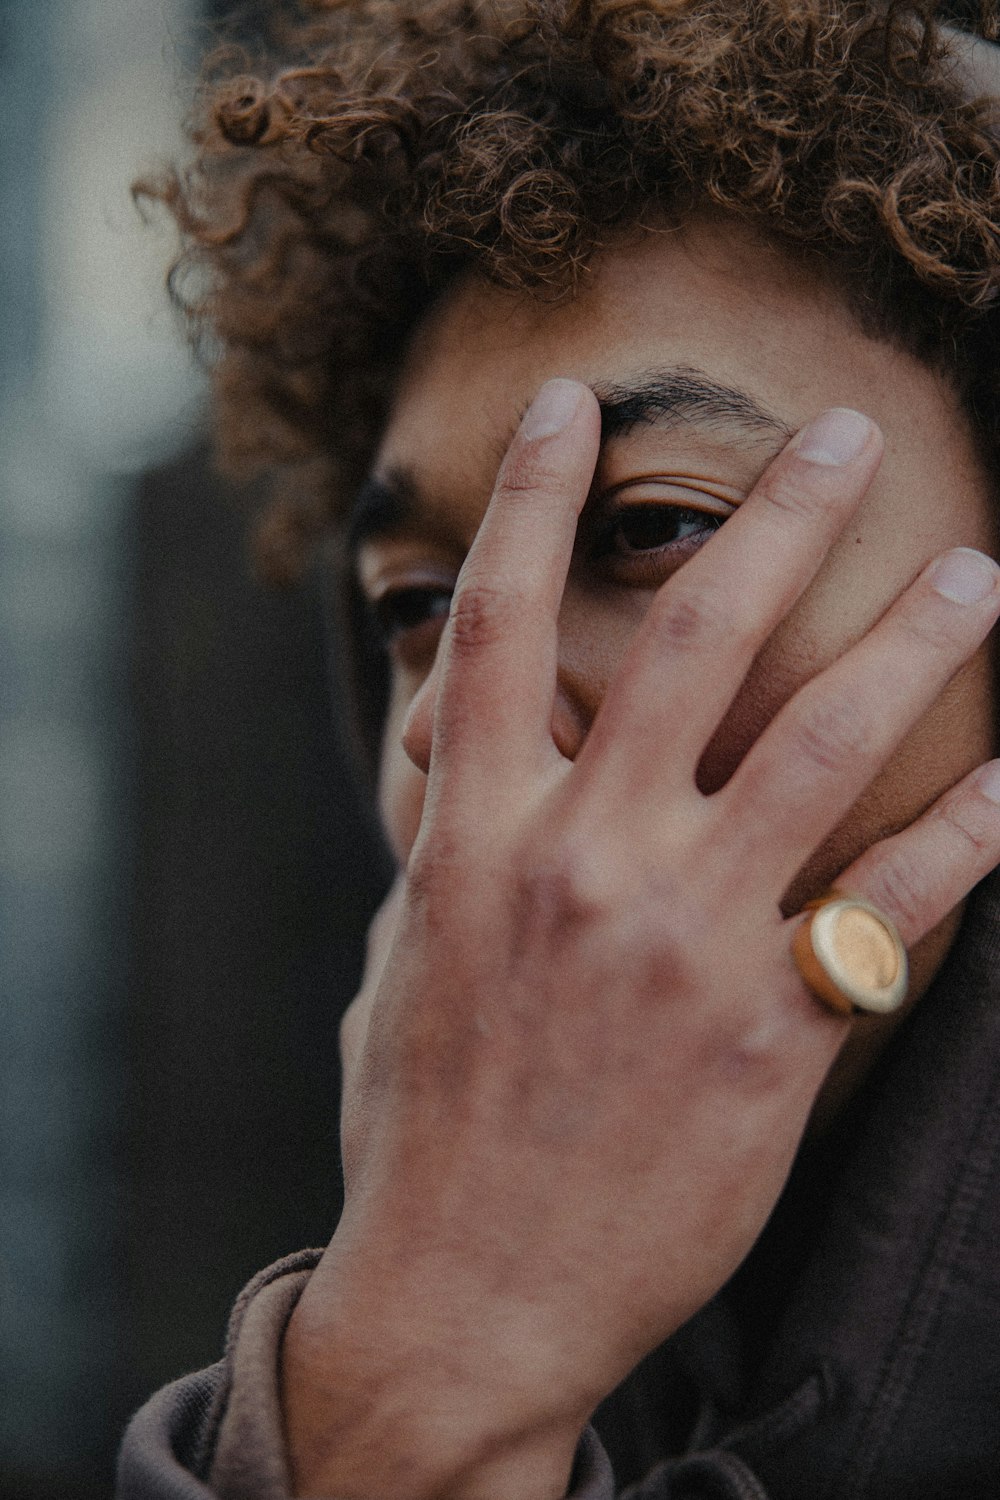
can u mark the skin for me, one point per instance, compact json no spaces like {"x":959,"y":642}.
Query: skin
{"x":582,"y":1060}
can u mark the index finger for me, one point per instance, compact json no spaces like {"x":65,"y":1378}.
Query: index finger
{"x":494,"y":703}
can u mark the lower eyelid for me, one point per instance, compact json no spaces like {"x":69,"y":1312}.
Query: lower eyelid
{"x":649,"y":567}
{"x":415,"y":648}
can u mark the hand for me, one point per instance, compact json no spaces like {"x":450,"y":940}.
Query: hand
{"x":590,"y":1059}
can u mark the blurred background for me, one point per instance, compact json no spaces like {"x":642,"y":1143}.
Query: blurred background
{"x":186,"y":865}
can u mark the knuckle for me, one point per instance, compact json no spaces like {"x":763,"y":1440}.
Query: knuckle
{"x":525,"y":474}
{"x":671,"y":967}
{"x":749,"y":1058}
{"x":687,"y":620}
{"x":897,"y":888}
{"x":482,"y":614}
{"x":782,"y":487}
{"x":430,"y":873}
{"x":935,"y":624}
{"x":974,"y":820}
{"x":676,"y":937}
{"x":563,"y":888}
{"x":830,"y":736}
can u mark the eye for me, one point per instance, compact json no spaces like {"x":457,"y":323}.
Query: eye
{"x":646,"y":528}
{"x":641,"y":533}
{"x":410,"y":618}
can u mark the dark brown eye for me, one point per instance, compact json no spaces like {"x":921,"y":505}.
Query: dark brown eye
{"x":644,"y":528}
{"x":402,"y":611}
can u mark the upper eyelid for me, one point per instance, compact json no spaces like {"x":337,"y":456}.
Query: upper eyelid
{"x":379,"y":575}
{"x":687,"y":491}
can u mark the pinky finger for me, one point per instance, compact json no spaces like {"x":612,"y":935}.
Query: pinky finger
{"x":918,"y":876}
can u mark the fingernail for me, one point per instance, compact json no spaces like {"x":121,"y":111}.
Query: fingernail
{"x":989,"y":781}
{"x":963,"y":575}
{"x":552,"y":409}
{"x":835,"y":437}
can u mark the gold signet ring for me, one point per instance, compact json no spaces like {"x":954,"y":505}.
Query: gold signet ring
{"x":850,"y":956}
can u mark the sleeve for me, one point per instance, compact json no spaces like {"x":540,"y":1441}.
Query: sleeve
{"x":217,"y":1434}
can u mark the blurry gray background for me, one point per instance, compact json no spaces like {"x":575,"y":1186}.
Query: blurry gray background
{"x":186,"y":868}
{"x":185,"y":865}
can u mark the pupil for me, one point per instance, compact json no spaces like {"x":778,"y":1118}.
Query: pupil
{"x":407,"y":608}
{"x":650,"y":526}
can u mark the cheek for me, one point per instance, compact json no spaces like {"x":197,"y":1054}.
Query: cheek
{"x":785,"y":663}
{"x":596,"y":628}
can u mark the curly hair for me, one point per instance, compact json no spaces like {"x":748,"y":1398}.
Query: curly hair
{"x":390,"y":145}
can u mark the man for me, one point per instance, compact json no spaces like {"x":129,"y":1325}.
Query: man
{"x":698,"y":638}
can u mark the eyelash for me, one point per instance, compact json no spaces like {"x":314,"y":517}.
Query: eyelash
{"x":408,"y":608}
{"x":408,"y":619}
{"x":628,"y":563}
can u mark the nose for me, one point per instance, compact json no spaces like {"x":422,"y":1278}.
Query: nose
{"x":569,"y":722}
{"x":587,"y":658}
{"x":418,"y":728}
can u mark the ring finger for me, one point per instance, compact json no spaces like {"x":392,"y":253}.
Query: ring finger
{"x":918,"y":876}
{"x":836,"y":733}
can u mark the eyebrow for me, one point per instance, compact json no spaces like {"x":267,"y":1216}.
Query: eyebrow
{"x":683,"y":394}
{"x":662,"y":398}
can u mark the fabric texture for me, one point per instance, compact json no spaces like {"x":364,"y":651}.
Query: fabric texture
{"x":226,"y":1418}
{"x":865,"y":1367}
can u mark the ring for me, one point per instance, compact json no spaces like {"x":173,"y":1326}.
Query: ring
{"x":851,"y":956}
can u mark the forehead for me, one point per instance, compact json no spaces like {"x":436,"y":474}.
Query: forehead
{"x":711,"y":297}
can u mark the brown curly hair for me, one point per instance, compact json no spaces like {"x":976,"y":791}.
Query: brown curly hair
{"x":397,"y":143}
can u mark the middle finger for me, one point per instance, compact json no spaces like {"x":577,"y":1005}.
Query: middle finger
{"x":707,"y":623}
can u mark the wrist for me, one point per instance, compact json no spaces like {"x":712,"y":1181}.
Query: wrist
{"x":397,"y":1408}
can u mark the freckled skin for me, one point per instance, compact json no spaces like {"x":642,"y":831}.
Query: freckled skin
{"x":715,"y":298}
